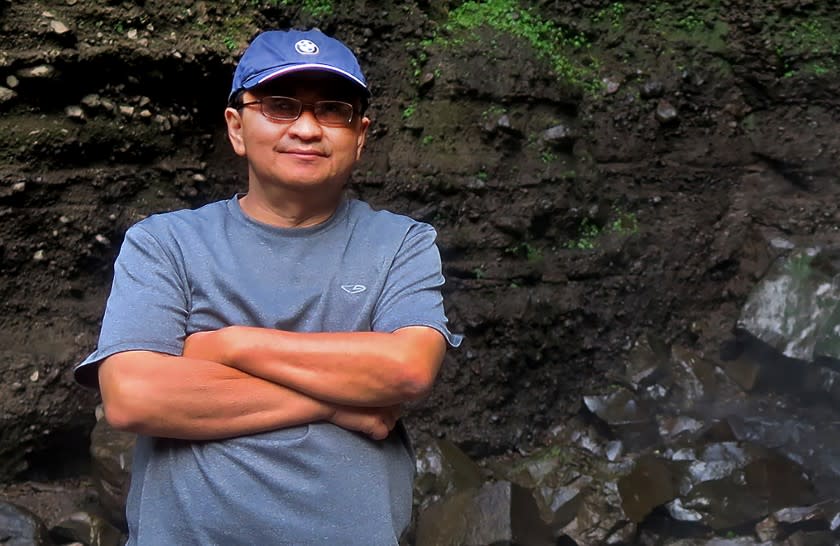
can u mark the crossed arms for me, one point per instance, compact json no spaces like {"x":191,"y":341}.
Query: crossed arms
{"x":244,"y":380}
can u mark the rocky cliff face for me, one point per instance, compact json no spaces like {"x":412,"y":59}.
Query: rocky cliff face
{"x":596,"y":171}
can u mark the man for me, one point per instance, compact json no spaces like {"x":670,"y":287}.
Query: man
{"x":261,"y":346}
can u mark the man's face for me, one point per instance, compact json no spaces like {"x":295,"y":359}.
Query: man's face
{"x":301,"y":154}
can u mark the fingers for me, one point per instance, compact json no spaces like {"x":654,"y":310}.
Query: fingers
{"x":376,"y":423}
{"x":384,"y":421}
{"x":379,"y":432}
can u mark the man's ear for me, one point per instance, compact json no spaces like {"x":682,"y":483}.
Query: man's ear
{"x":360,"y":139}
{"x":233,"y":118}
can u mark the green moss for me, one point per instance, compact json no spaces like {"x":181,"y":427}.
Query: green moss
{"x":235,"y":31}
{"x":622,"y":223}
{"x":810,"y":44}
{"x":699,"y":25}
{"x":614,"y":14}
{"x":314,"y":8}
{"x":417,"y":61}
{"x":548,"y":40}
{"x":494,"y":110}
{"x":409,"y":110}
{"x":531,"y":253}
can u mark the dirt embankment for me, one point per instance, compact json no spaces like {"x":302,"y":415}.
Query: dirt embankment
{"x":595,"y":172}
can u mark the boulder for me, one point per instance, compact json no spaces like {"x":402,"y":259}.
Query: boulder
{"x":87,"y":528}
{"x":111,"y":451}
{"x":794,"y":307}
{"x":20,"y":527}
{"x":498,"y":513}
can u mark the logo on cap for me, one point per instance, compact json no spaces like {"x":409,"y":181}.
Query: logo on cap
{"x":306,"y":47}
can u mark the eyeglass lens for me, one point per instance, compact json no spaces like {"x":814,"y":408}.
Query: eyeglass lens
{"x":328,"y":112}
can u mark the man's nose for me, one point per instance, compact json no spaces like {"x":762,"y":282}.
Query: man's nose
{"x":306,"y":127}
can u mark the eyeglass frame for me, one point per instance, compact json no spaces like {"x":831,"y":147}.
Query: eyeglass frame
{"x":238,"y":104}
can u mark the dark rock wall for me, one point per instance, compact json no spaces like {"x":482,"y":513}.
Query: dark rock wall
{"x":596,"y":170}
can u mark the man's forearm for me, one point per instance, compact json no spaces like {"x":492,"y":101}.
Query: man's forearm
{"x":354,"y":368}
{"x":191,"y":399}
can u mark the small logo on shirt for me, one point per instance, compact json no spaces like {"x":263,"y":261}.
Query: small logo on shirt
{"x":353,"y":288}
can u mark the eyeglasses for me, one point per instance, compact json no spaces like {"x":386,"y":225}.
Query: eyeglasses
{"x":287,"y":109}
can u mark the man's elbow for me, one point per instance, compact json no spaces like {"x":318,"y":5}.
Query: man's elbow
{"x":421,"y":356}
{"x":122,"y":418}
{"x":119,"y":399}
{"x":417,"y":382}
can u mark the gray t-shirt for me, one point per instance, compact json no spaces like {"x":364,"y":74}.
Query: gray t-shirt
{"x":196,"y":270}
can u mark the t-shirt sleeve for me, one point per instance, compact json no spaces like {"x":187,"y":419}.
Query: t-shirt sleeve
{"x":148,"y":305}
{"x":412,"y":292}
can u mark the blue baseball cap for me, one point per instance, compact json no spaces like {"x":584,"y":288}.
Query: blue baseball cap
{"x":277,"y":52}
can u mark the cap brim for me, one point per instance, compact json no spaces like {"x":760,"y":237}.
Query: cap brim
{"x":311,"y":66}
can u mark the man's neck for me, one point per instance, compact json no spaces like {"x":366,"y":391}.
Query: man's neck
{"x":290,"y":209}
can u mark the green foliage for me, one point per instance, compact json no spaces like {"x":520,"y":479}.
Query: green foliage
{"x":588,"y":232}
{"x":813,"y":36}
{"x":690,"y":22}
{"x":810,"y":44}
{"x":229,"y":42}
{"x":235,"y":31}
{"x":548,"y":40}
{"x":427,"y":139}
{"x":417,"y":61}
{"x":548,"y":156}
{"x":622,"y":223}
{"x":478,"y":272}
{"x":409,"y":110}
{"x":314,"y":8}
{"x":614,"y":14}
{"x":482,"y":175}
{"x":696,"y":23}
{"x":492,"y":111}
{"x":532,"y":254}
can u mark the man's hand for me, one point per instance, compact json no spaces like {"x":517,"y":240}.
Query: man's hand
{"x":375,"y":422}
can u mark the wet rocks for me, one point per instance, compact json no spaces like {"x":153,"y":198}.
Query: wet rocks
{"x":666,"y":113}
{"x":825,"y":515}
{"x":75,"y":113}
{"x":559,"y":136}
{"x":6,"y":95}
{"x":652,"y":89}
{"x":787,"y":337}
{"x":20,"y":527}
{"x":112,"y":453}
{"x":791,"y":308}
{"x":496,"y":513}
{"x":91,"y":101}
{"x":650,"y":484}
{"x":611,"y":86}
{"x":745,"y":481}
{"x":58,"y":28}
{"x":627,"y":416}
{"x":87,"y":528}
{"x":43,"y":71}
{"x":599,"y":518}
{"x":443,"y":468}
